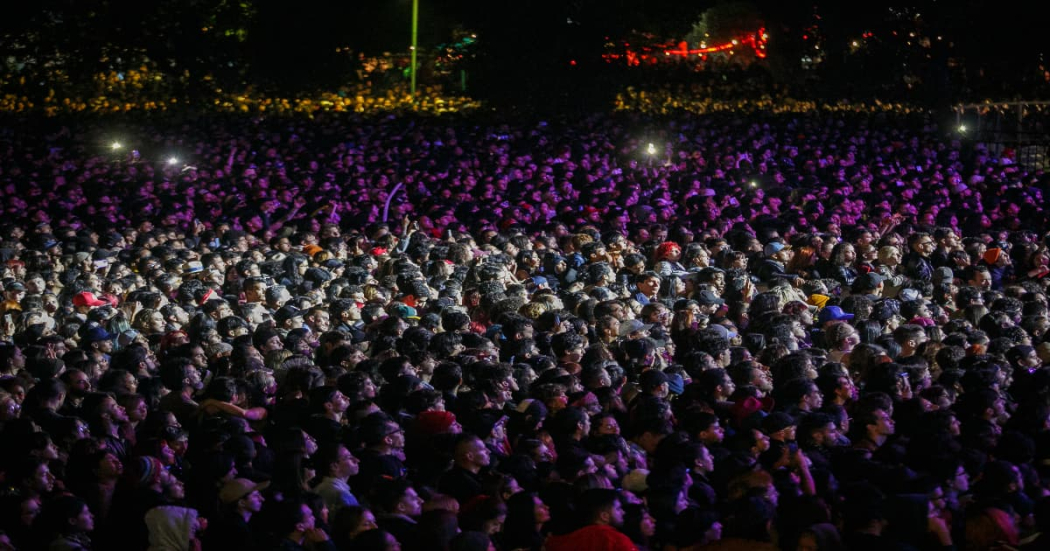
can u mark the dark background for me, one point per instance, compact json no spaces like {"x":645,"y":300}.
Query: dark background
{"x":525,"y":48}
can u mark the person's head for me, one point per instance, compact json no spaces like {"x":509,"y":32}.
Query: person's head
{"x":292,"y":518}
{"x":469,"y":452}
{"x":601,"y":506}
{"x":67,"y":515}
{"x":336,"y":461}
{"x":375,"y":539}
{"x":349,"y":522}
{"x":397,"y":497}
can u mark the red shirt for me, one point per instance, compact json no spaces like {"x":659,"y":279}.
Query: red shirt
{"x":596,"y":537}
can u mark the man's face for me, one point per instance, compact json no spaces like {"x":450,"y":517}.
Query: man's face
{"x":884,"y":423}
{"x":480,"y":453}
{"x":649,"y":286}
{"x":981,"y":280}
{"x":413,"y":504}
{"x":762,"y":379}
{"x":924,"y":246}
{"x":319,"y":321}
{"x":616,"y":514}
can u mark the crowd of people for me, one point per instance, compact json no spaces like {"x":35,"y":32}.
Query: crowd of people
{"x":814,"y":331}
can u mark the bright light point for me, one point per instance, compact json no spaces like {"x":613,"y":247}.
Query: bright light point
{"x":735,"y":42}
{"x":855,"y":44}
{"x":173,"y":161}
{"x":115,"y":146}
{"x":651,"y":149}
{"x":962,"y":128}
{"x":754,"y":183}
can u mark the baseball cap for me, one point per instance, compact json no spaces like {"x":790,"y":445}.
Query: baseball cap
{"x":722,"y":331}
{"x":774,"y":247}
{"x":652,"y":379}
{"x":710,"y":270}
{"x":87,"y":298}
{"x":404,"y":311}
{"x":833,"y":313}
{"x":943,"y":273}
{"x":633,"y":326}
{"x":238,"y":488}
{"x":192,"y":267}
{"x":635,"y":481}
{"x":707,"y":298}
{"x":97,"y":334}
{"x":286,"y":312}
{"x":909,"y":294}
{"x":684,"y":304}
{"x":870,"y":280}
{"x":15,"y":286}
{"x":777,"y":421}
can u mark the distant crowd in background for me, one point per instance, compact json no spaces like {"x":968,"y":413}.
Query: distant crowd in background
{"x":814,"y":330}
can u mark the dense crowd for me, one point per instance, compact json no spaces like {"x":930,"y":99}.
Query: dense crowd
{"x":812,"y":331}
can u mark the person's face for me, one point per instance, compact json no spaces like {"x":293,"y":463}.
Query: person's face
{"x":320,"y":321}
{"x":761,"y":440}
{"x":368,"y":522}
{"x":254,"y":501}
{"x":411,"y":504}
{"x":616,"y":514}
{"x":608,"y":425}
{"x":649,"y":286}
{"x":884,"y":423}
{"x":705,"y":463}
{"x":310,"y":444}
{"x":29,"y":510}
{"x":43,"y":481}
{"x":139,"y":412}
{"x":542,"y":454}
{"x":849,"y":254}
{"x":395,"y":436}
{"x":156,"y":323}
{"x":961,"y":482}
{"x":109,"y":467}
{"x":925,"y":246}
{"x":115,"y":411}
{"x":348,"y":464}
{"x":714,"y":433}
{"x":85,"y":521}
{"x":130,"y":384}
{"x":540,"y":511}
{"x":814,"y":399}
{"x":223,"y":311}
{"x":981,"y":280}
{"x":762,"y":379}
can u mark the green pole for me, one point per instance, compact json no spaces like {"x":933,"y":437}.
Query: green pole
{"x":415,"y":33}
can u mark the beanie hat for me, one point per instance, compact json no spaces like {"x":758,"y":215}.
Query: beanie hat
{"x":144,"y":470}
{"x":435,"y":422}
{"x":992,"y":255}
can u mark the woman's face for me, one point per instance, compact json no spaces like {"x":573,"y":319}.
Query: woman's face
{"x":608,"y":425}
{"x":368,"y":522}
{"x":85,"y":521}
{"x":43,"y":481}
{"x":29,"y":510}
{"x":540,"y":511}
{"x":156,"y":323}
{"x":648,"y":527}
{"x":138,"y":411}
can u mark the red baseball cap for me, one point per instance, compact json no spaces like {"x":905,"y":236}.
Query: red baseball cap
{"x":87,"y":298}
